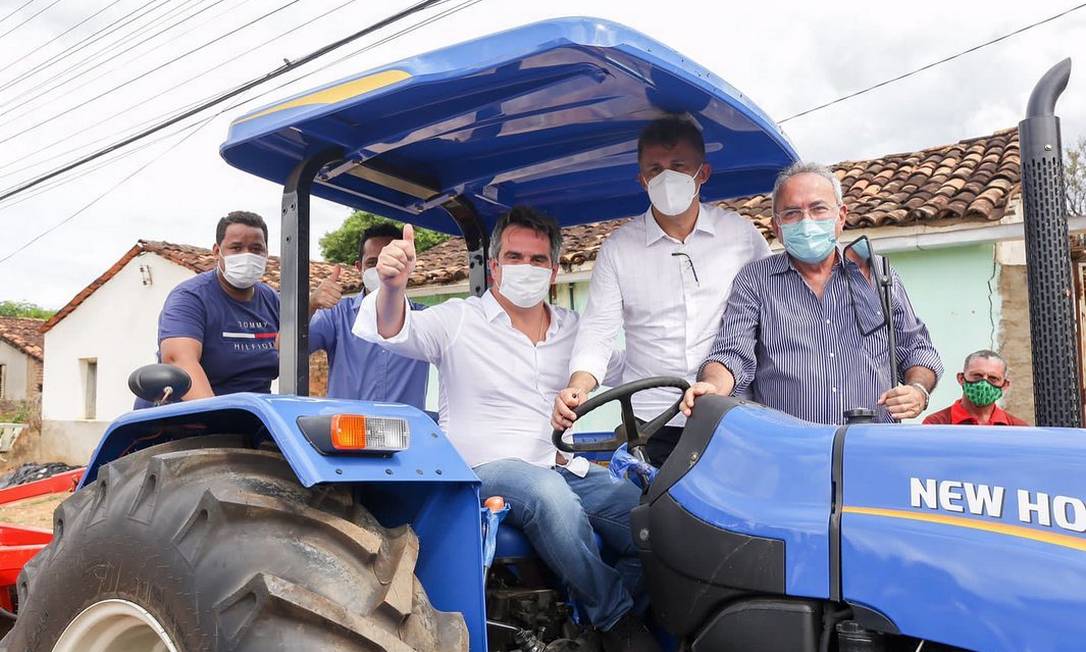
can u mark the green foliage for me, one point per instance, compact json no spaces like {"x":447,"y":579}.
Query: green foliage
{"x":24,"y":309}
{"x":341,"y":245}
{"x":1074,"y":173}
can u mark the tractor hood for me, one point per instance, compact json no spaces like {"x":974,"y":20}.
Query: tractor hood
{"x":546,"y":115}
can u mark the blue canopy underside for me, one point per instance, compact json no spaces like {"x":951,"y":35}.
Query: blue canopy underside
{"x":546,"y":115}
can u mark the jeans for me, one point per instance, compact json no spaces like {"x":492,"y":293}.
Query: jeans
{"x":558,"y":512}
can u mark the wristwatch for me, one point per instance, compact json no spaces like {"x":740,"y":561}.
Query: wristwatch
{"x":924,"y":391}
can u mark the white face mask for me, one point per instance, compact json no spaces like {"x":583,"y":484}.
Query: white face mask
{"x":672,"y":192}
{"x":243,"y":270}
{"x":370,"y":280}
{"x":525,"y":285}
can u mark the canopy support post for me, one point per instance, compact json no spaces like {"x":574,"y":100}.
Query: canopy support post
{"x":294,"y":275}
{"x":476,"y":239}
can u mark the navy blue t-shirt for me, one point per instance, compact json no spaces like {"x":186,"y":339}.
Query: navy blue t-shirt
{"x":238,"y":337}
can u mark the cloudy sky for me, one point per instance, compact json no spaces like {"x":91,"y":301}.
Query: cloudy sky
{"x":787,"y":58}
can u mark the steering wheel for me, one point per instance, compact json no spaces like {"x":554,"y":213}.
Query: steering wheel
{"x":623,"y":394}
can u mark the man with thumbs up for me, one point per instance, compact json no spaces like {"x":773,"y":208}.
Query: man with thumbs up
{"x":358,"y":369}
{"x":502,"y":358}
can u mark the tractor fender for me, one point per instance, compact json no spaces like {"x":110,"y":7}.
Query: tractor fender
{"x":430,"y":457}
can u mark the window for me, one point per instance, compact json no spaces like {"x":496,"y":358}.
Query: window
{"x":3,"y":381}
{"x":90,"y":386}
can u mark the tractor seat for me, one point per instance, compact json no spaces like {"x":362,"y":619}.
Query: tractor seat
{"x":512,"y":544}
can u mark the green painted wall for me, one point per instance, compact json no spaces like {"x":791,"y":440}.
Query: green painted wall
{"x":953,"y":290}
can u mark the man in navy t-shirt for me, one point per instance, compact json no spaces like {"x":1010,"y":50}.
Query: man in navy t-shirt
{"x":220,"y":326}
{"x":358,"y":369}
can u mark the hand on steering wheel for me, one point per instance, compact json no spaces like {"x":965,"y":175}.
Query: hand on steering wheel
{"x":636,"y":435}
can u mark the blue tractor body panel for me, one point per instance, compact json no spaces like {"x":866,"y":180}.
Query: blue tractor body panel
{"x":768,"y":474}
{"x":547,"y":115}
{"x":428,"y":485}
{"x":968,"y":535}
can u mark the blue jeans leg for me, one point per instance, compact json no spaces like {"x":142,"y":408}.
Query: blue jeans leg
{"x":607,"y":504}
{"x":549,"y":512}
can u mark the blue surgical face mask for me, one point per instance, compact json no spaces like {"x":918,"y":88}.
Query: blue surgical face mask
{"x":810,"y":240}
{"x":862,"y":249}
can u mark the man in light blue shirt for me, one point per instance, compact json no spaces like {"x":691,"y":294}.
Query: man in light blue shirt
{"x":358,"y":369}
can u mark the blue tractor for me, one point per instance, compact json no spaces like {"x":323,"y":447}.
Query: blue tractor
{"x":283,"y":522}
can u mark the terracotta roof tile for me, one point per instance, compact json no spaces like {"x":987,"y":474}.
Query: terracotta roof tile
{"x":23,"y":334}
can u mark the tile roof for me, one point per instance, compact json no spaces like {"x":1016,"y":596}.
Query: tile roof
{"x":199,"y":260}
{"x":24,"y":334}
{"x":971,"y":180}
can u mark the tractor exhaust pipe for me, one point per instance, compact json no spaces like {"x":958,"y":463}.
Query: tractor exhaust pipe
{"x":1056,"y":396}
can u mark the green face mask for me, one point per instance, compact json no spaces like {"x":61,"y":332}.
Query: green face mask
{"x":981,"y":392}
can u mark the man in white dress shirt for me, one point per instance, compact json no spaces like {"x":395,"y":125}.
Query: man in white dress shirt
{"x":663,"y":278}
{"x":501,"y":359}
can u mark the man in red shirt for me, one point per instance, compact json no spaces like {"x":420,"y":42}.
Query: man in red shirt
{"x":983,"y":380}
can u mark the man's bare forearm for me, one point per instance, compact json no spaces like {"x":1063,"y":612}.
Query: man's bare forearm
{"x":391,"y":311}
{"x":922,"y":375}
{"x":718,"y":376}
{"x":583,"y":381}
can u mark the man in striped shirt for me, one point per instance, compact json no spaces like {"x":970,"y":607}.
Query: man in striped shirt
{"x":802,"y":332}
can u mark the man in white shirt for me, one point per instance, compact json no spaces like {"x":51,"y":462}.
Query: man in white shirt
{"x":664,"y":278}
{"x":501,"y":359}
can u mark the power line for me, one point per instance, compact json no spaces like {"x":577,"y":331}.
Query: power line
{"x":84,"y":43}
{"x":15,"y":10}
{"x":286,"y":67}
{"x":934,"y":63}
{"x":231,"y":107}
{"x":94,"y":201}
{"x":307,"y":23}
{"x":119,"y":54}
{"x":56,"y":38}
{"x":32,"y":17}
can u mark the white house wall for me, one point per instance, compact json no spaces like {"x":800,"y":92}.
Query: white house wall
{"x":116,"y":326}
{"x":15,"y":371}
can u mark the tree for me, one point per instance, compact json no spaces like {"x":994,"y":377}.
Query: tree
{"x":1074,"y":173}
{"x":24,"y":309}
{"x":341,"y":245}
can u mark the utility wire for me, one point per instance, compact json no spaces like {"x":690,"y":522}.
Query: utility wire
{"x":56,"y":38}
{"x":281,"y":70}
{"x":15,"y":10}
{"x":94,"y":201}
{"x":121,"y":53}
{"x":460,"y":7}
{"x":32,"y":17}
{"x":934,"y":63}
{"x":84,"y":43}
{"x":24,"y":164}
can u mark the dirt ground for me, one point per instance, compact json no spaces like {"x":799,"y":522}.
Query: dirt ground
{"x":34,"y":512}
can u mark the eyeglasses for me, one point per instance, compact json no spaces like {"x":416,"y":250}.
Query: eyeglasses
{"x":690,"y":262}
{"x":994,"y":380}
{"x":817,"y":211}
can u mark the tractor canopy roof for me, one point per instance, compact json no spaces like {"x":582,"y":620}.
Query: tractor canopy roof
{"x":546,"y":115}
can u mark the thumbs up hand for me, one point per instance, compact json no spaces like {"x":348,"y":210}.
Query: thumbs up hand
{"x":328,"y":293}
{"x":397,"y":261}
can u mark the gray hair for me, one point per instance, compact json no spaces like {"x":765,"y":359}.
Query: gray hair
{"x":528,"y":218}
{"x":804,"y":167}
{"x":984,"y":353}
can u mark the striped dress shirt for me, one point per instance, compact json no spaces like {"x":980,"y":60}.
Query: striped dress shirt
{"x":808,"y":357}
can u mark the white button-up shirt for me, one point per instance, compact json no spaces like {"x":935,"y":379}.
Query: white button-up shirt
{"x":497,"y":387}
{"x":668,"y":305}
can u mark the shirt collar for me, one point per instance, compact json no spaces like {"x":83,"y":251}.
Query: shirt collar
{"x":959,"y":415}
{"x":491,"y":308}
{"x":357,"y":300}
{"x":653,"y":232}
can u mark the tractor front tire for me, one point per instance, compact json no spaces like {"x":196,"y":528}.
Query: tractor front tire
{"x":209,"y":545}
